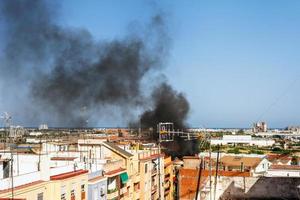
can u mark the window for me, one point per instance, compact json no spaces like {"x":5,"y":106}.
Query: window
{"x":63,"y":193}
{"x":131,"y":168}
{"x":82,"y":192}
{"x":63,"y":196}
{"x":136,"y":186}
{"x":73,"y":191}
{"x":145,"y":168}
{"x":6,"y":169}
{"x":40,"y":196}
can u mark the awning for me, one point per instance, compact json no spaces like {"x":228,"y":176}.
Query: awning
{"x":124,"y":177}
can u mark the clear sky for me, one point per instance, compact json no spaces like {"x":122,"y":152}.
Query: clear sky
{"x":236,"y":61}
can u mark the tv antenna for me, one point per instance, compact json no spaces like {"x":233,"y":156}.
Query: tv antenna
{"x":166,"y":133}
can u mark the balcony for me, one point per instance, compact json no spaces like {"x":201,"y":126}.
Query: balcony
{"x":167,"y":185}
{"x":112,"y":193}
{"x":167,"y":192}
{"x":167,"y":177}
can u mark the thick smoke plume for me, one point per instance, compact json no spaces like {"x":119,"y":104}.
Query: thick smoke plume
{"x":67,"y":74}
{"x":63,"y":76}
{"x":170,"y":106}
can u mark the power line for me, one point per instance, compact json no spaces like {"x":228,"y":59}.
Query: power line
{"x":283,"y":94}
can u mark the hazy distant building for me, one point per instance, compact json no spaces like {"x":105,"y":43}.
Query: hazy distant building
{"x":260,"y":127}
{"x":16,"y":131}
{"x":43,"y":127}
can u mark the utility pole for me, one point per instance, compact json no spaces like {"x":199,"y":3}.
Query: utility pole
{"x":12,"y":174}
{"x":210,"y":165}
{"x":199,"y":178}
{"x":216,"y":177}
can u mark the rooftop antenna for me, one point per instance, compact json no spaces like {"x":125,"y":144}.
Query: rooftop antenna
{"x":7,"y":123}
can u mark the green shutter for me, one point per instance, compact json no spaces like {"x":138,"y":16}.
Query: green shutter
{"x":124,"y":177}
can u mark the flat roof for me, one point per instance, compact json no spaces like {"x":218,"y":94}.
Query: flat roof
{"x":115,"y":172}
{"x":22,"y":186}
{"x":285,"y":167}
{"x":96,"y":179}
{"x":63,"y":158}
{"x":68,"y":174}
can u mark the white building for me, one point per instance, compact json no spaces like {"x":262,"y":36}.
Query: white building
{"x":43,"y":127}
{"x":283,"y":171}
{"x":242,"y":139}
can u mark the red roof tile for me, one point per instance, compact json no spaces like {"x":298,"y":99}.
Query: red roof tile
{"x":153,"y":156}
{"x":275,"y":158}
{"x":68,"y":175}
{"x":64,"y":158}
{"x":115,"y":172}
{"x":188,"y":179}
{"x":285,"y":167}
{"x":22,"y":186}
{"x":205,"y":172}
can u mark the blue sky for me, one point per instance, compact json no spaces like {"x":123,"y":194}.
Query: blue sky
{"x":236,"y":61}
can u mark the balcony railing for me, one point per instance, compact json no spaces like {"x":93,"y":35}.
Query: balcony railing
{"x":109,"y":191}
{"x":111,"y":194}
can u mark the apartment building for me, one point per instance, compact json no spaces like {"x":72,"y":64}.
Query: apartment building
{"x":95,"y":169}
{"x":168,"y":178}
{"x":33,"y":178}
{"x":97,"y":186}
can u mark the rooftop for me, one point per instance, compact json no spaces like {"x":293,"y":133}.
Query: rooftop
{"x":238,"y":160}
{"x":115,"y":172}
{"x":22,"y":186}
{"x":285,"y":167}
{"x":116,"y":148}
{"x":279,"y":158}
{"x":63,"y":158}
{"x":68,"y":174}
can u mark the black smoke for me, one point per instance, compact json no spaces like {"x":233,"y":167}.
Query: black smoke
{"x":170,"y":106}
{"x":63,"y":76}
{"x":67,"y":74}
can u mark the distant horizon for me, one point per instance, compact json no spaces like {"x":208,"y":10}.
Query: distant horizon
{"x":120,"y":127}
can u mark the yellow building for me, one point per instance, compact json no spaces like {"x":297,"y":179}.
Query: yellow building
{"x":168,"y":179}
{"x":71,"y":185}
{"x":35,"y":190}
{"x":151,"y":164}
